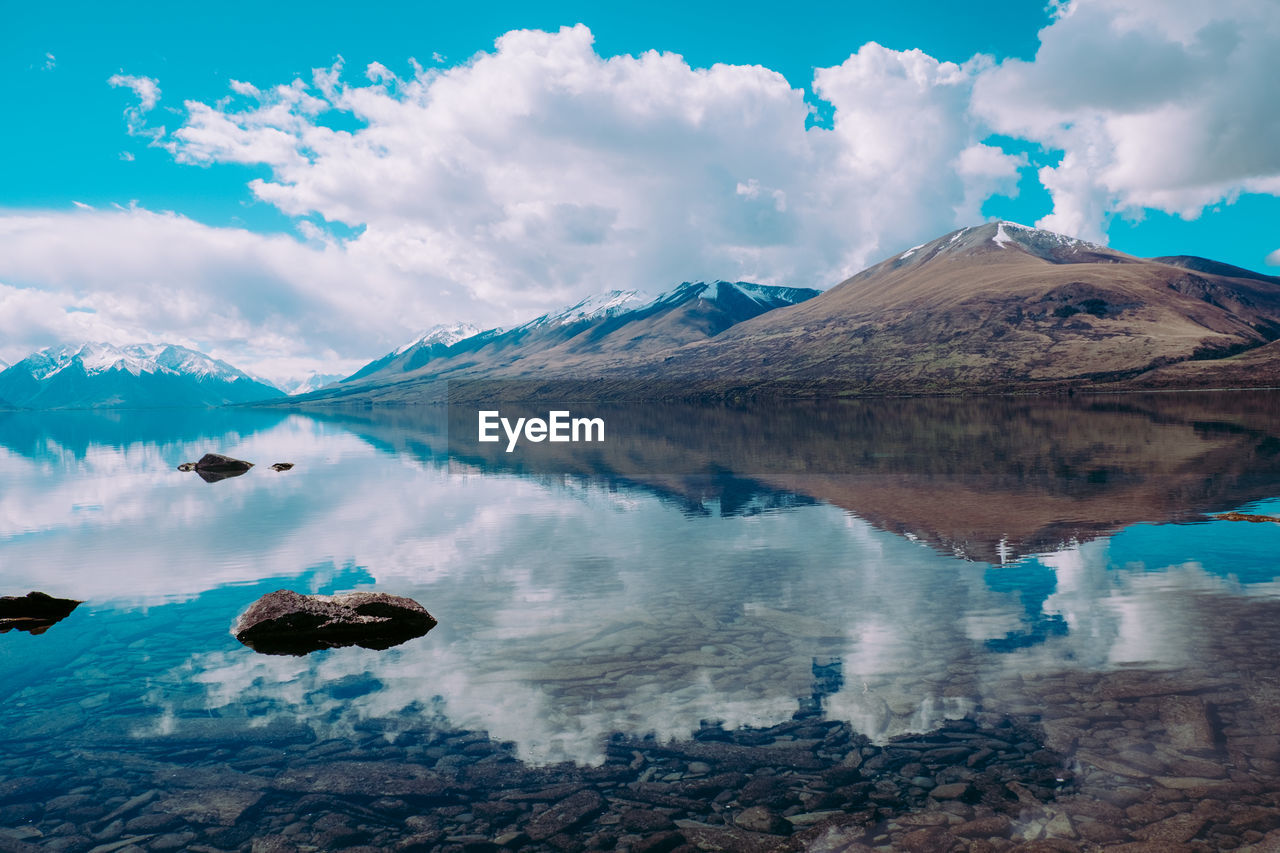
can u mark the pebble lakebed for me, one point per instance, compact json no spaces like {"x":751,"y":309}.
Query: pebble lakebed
{"x":1127,"y":760}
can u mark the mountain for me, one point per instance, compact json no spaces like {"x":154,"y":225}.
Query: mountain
{"x":597,"y":307}
{"x":994,"y":308}
{"x":609,"y":331}
{"x":311,"y":383}
{"x":430,"y":344}
{"x":997,"y":307}
{"x":96,"y":375}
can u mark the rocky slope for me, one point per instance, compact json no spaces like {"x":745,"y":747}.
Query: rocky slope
{"x":1000,"y":306}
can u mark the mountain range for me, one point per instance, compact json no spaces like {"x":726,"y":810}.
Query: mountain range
{"x":98,"y":375}
{"x":1006,"y":307}
{"x":998,"y":307}
{"x":609,"y":332}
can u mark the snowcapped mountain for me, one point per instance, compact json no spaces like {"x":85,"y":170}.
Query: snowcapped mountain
{"x":1005,"y":235}
{"x":431,"y":344}
{"x":444,"y":335}
{"x":95,"y":375}
{"x":597,"y":307}
{"x":606,"y":329}
{"x":765,"y":297}
{"x":311,"y":383}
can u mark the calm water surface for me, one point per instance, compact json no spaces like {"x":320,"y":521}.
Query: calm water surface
{"x":874,"y":624}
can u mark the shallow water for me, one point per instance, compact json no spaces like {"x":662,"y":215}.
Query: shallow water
{"x":808,"y":626}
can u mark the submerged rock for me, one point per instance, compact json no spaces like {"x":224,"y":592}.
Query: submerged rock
{"x":281,"y":466}
{"x":213,"y":467}
{"x":1244,"y":516}
{"x":287,"y":623}
{"x":34,"y":612}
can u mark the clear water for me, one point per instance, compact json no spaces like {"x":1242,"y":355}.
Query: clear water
{"x":891,"y":570}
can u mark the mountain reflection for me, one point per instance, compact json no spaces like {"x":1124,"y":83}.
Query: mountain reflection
{"x":700,"y":568}
{"x":989,"y":478}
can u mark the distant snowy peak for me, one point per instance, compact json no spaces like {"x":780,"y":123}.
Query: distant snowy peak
{"x":314,"y":382}
{"x":95,"y":375}
{"x":443,"y":334}
{"x":135,"y":359}
{"x":764,"y":295}
{"x":595,"y":307}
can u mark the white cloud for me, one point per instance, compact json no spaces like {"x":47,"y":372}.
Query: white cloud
{"x":1274,"y":258}
{"x":1155,"y":105}
{"x":518,"y":182}
{"x":536,"y":173}
{"x":539,"y":172}
{"x":147,"y":91}
{"x":129,"y":275}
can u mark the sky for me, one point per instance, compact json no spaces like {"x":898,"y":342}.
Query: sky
{"x":303,"y":188}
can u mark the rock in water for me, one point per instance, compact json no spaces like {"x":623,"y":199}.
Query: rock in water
{"x":213,"y":467}
{"x":34,"y":612}
{"x":287,"y":623}
{"x":281,"y":466}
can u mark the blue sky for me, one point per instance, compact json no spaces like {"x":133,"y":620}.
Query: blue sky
{"x":160,"y":178}
{"x":71,"y":142}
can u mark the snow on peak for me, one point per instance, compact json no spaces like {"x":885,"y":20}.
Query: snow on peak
{"x":443,"y":334}
{"x":314,"y":382}
{"x":1003,"y":238}
{"x":766,"y":295}
{"x":97,"y":357}
{"x":599,"y":306}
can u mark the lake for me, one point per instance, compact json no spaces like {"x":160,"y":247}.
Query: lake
{"x":896,"y":624}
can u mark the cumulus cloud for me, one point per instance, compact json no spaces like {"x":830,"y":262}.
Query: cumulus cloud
{"x":1154,"y":105}
{"x":517,"y":182}
{"x":541,"y":171}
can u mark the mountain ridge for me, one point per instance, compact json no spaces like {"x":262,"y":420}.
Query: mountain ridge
{"x":100,"y":375}
{"x":993,"y":308}
{"x":607,"y":329}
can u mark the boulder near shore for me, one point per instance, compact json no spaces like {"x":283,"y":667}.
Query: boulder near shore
{"x":34,"y":612}
{"x":213,"y":467}
{"x":289,"y":623}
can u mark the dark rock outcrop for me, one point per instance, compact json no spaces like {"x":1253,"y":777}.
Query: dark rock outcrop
{"x":213,"y":467}
{"x":287,"y":623}
{"x":34,"y":612}
{"x":281,"y":466}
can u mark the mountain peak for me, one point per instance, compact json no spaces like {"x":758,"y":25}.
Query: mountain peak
{"x":1003,"y":236}
{"x":97,"y":373}
{"x":441,"y":333}
{"x":764,"y":295}
{"x":595,"y":307}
